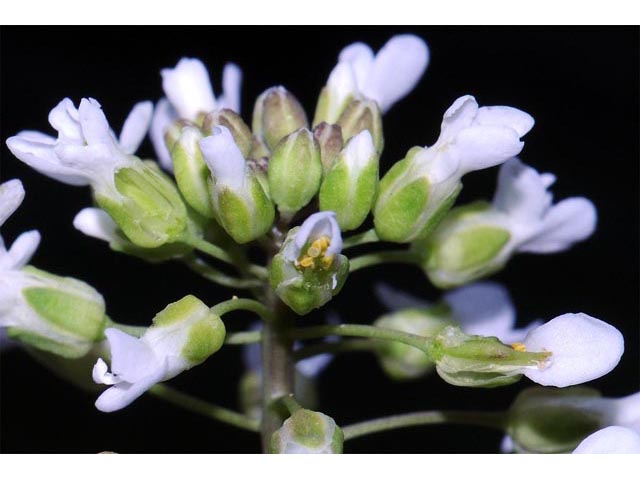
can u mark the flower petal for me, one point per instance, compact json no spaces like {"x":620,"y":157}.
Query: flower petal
{"x":458,"y":116}
{"x":122,"y":394}
{"x":135,"y":127}
{"x":312,"y":367}
{"x":582,"y":348}
{"x":231,"y":87}
{"x":96,"y":223}
{"x":11,"y":196}
{"x":566,"y":223}
{"x":131,"y":358}
{"x":163,"y":116}
{"x":480,"y":147}
{"x":611,"y":440}
{"x":95,"y":127}
{"x":224,"y":158}
{"x":65,"y":118}
{"x":318,"y":225}
{"x":396,"y":70}
{"x":500,"y":116}
{"x":483,"y":308}
{"x":100,"y":374}
{"x":360,"y":58}
{"x":41,"y":157}
{"x":188,"y":88}
{"x":21,"y":251}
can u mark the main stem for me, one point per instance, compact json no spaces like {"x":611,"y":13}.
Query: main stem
{"x":277,"y":366}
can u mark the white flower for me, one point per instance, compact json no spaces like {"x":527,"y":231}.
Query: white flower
{"x":473,"y":138}
{"x":582,"y":348}
{"x":536,"y":225}
{"x":97,"y":223}
{"x":189,"y":93}
{"x":183,"y":335}
{"x":385,"y":77}
{"x":86,"y":150}
{"x":611,"y":440}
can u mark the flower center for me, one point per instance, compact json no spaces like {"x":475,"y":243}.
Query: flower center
{"x":315,"y":256}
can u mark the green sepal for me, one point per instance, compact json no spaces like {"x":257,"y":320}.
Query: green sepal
{"x":362,"y":115}
{"x":65,"y":350}
{"x":233,"y":122}
{"x":277,"y":113}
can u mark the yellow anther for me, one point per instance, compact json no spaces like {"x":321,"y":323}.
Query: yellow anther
{"x":327,"y":261}
{"x":519,"y":347}
{"x":321,"y":243}
{"x":306,"y":261}
{"x":314,"y":252}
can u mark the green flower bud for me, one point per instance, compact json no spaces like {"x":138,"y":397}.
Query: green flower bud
{"x":546,"y":420}
{"x":329,"y":138}
{"x":276,"y":114}
{"x":259,"y":149}
{"x":234,"y":123}
{"x":148,"y":207}
{"x":295,"y":171}
{"x":309,"y":269}
{"x":409,"y":206}
{"x":349,"y":188}
{"x":469,"y":244}
{"x":60,"y":315}
{"x":191,"y":171}
{"x":173,"y":132}
{"x":404,"y":362}
{"x":362,"y":115}
{"x":241,"y":204}
{"x":306,"y":431}
{"x":476,"y":361}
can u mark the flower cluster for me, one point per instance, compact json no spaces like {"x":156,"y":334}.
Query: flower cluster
{"x":285,"y":190}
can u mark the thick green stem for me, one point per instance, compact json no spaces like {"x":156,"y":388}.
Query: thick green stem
{"x":363,"y":238}
{"x":367,"y":331}
{"x":207,"y":271}
{"x":377,"y":258}
{"x":483,"y":419}
{"x":193,"y":404}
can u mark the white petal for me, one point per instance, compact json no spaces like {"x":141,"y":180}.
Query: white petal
{"x":359,"y":151}
{"x":122,"y":394}
{"x":396,"y":70}
{"x":611,"y":440}
{"x":135,"y":127}
{"x":39,"y":137}
{"x":522,"y":193}
{"x":480,"y":147}
{"x":517,"y":335}
{"x":318,"y":225}
{"x":360,"y":57}
{"x":511,"y":117}
{"x":224,"y":158}
{"x":42,"y":157}
{"x":100,"y":374}
{"x":395,"y":299}
{"x":582,"y":348}
{"x":96,"y":223}
{"x":131,"y":358}
{"x":458,"y":116}
{"x":11,"y":196}
{"x":95,"y":126}
{"x":21,"y":251}
{"x":342,"y":84}
{"x":566,"y":223}
{"x":188,"y":88}
{"x":231,"y":87}
{"x":507,"y":445}
{"x":163,"y":116}
{"x":626,"y":411}
{"x":65,"y":118}
{"x":483,"y":308}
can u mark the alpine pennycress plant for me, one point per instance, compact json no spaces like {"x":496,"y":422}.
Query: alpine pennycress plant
{"x":293,"y":188}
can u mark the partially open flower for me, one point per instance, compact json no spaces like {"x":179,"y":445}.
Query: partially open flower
{"x":183,"y":335}
{"x":306,"y":431}
{"x":419,"y":190}
{"x":309,"y":269}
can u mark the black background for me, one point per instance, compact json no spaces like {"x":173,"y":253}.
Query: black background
{"x":581,"y":86}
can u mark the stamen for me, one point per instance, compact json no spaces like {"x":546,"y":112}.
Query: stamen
{"x":519,"y":347}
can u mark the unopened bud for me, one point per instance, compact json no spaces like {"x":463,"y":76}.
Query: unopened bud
{"x":329,"y":138}
{"x":234,"y":123}
{"x":276,"y":114}
{"x":306,"y":431}
{"x":295,"y":171}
